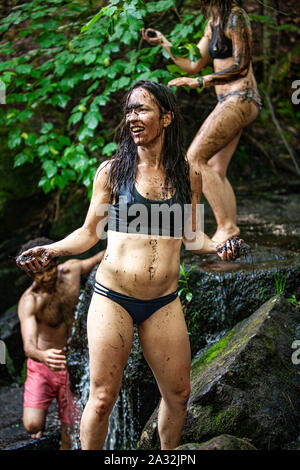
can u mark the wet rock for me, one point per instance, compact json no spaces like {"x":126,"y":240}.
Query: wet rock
{"x":226,"y":293}
{"x":246,"y":384}
{"x":10,"y":334}
{"x":223,"y":442}
{"x":5,"y":376}
{"x":13,"y":436}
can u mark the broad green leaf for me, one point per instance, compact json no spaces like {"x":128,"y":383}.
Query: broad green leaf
{"x":14,"y":138}
{"x":50,"y":168}
{"x":75,"y":117}
{"x":109,"y":149}
{"x":162,"y":5}
{"x":46,"y":127}
{"x":25,"y":69}
{"x":43,"y":150}
{"x":20,"y":159}
{"x":92,"y":119}
{"x":84,"y":132}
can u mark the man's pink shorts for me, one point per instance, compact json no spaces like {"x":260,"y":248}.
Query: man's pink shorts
{"x":42,"y":385}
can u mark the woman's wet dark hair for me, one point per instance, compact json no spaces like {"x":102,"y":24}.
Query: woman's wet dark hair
{"x":217,"y":9}
{"x":124,"y":164}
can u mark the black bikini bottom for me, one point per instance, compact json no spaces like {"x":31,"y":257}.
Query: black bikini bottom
{"x":249,"y":94}
{"x":138,"y":309}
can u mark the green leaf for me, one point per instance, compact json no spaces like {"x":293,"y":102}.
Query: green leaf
{"x":81,"y":163}
{"x":63,"y":179}
{"x":24,"y":69}
{"x":107,"y":11}
{"x":90,"y":58}
{"x":92,"y":119}
{"x":14,"y":138}
{"x":46,"y":127}
{"x":175,"y":70}
{"x":84,"y":132}
{"x":50,"y":168}
{"x":20,"y":159}
{"x":189,"y":296}
{"x":109,"y":149}
{"x":60,"y":100}
{"x":43,"y":150}
{"x":46,"y":184}
{"x":75,"y":117}
{"x":162,"y":5}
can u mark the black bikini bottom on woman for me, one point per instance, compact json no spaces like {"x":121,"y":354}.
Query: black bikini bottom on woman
{"x":138,"y":309}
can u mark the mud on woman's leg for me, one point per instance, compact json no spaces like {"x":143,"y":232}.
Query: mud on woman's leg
{"x":218,"y":131}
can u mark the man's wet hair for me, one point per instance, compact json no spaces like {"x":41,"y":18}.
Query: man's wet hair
{"x":34,"y":242}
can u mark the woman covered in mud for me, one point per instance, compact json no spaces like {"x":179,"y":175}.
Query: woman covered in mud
{"x":227,"y":40}
{"x":136,"y":282}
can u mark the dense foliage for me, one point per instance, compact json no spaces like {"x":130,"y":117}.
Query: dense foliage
{"x":60,"y":90}
{"x":67,"y":65}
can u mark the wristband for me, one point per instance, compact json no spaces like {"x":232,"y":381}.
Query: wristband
{"x":201,"y":82}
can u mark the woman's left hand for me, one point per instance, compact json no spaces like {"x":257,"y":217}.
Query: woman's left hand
{"x":184,"y":81}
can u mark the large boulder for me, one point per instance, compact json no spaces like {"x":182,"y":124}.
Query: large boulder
{"x":223,"y":442}
{"x":225,"y":293}
{"x":247,"y":384}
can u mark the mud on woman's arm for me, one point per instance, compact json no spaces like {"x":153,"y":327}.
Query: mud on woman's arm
{"x":239,"y":31}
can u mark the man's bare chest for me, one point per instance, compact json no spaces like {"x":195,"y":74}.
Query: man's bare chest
{"x":57,"y":307}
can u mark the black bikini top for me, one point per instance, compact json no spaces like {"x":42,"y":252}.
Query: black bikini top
{"x":133,"y":213}
{"x":219,"y":49}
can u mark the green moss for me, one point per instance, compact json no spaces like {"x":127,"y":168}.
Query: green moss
{"x":226,"y":419}
{"x":243,"y":331}
{"x":214,"y":350}
{"x":215,"y":422}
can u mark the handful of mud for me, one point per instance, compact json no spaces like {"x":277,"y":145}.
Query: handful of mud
{"x":24,"y":258}
{"x":236,"y":245}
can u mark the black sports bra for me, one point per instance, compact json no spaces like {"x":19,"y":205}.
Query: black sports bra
{"x":133,"y":213}
{"x":219,"y":49}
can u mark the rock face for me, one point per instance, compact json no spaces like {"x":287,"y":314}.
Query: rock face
{"x":223,"y":442}
{"x":10,"y":334}
{"x":247,"y":384}
{"x":226,"y":293}
{"x":13,"y":436}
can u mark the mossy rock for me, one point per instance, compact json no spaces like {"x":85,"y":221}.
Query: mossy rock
{"x":246,"y":384}
{"x":230,"y":294}
{"x":223,"y":442}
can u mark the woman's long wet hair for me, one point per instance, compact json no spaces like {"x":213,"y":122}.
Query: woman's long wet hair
{"x":124,"y":164}
{"x":217,"y":10}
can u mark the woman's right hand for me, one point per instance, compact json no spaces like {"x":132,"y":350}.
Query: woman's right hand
{"x":36,"y":259}
{"x":153,"y":36}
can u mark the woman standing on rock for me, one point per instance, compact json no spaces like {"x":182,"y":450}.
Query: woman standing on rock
{"x":227,"y":40}
{"x":136,"y":282}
